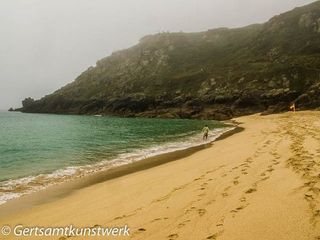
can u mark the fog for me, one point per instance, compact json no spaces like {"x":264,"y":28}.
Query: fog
{"x":48,"y":43}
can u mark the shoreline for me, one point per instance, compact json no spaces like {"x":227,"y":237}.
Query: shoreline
{"x":64,"y":189}
{"x":259,"y":183}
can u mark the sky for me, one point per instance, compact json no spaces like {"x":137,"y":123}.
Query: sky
{"x":45,"y":44}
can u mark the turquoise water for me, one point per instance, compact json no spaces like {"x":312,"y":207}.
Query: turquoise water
{"x":36,"y":149}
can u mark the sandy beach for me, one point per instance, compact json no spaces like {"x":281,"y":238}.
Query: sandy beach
{"x":260,"y":183}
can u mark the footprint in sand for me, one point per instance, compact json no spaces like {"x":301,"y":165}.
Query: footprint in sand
{"x":265,"y":178}
{"x":220,"y":222}
{"x":243,"y":199}
{"x":240,"y":208}
{"x":237,"y":209}
{"x":270,"y":169}
{"x":119,"y":217}
{"x":244,"y":165}
{"x":275,"y":162}
{"x":156,"y":219}
{"x":214,"y":236}
{"x":187,"y":211}
{"x":251,"y":190}
{"x":277,"y":156}
{"x":308,"y":196}
{"x":308,"y":184}
{"x":210,"y":202}
{"x":225,"y":194}
{"x":236,"y":182}
{"x":315,"y":190}
{"x":190,"y":209}
{"x":316,"y":213}
{"x":201,"y":212}
{"x":273,"y":153}
{"x":182,"y":224}
{"x":268,"y":142}
{"x":173,"y":236}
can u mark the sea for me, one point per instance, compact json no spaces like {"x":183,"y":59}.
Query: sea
{"x":40,"y":150}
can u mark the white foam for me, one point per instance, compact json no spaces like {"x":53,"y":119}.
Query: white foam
{"x":14,"y":188}
{"x":8,"y":196}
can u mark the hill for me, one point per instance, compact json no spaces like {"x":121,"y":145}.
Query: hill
{"x":215,"y":74}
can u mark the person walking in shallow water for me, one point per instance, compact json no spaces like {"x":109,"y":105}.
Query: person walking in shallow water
{"x":205,"y":131}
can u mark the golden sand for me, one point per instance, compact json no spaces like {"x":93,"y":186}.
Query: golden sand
{"x":260,"y":184}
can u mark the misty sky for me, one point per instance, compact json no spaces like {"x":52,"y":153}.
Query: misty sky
{"x":45,"y":44}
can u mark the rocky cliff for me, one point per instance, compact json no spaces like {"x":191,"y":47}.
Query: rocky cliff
{"x":215,"y":74}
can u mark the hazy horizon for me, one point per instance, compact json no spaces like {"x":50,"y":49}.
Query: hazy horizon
{"x":46,"y":44}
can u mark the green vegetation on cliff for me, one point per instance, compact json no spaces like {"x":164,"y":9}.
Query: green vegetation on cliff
{"x":214,"y":74}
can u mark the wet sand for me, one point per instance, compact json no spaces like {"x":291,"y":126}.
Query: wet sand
{"x":261,"y":183}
